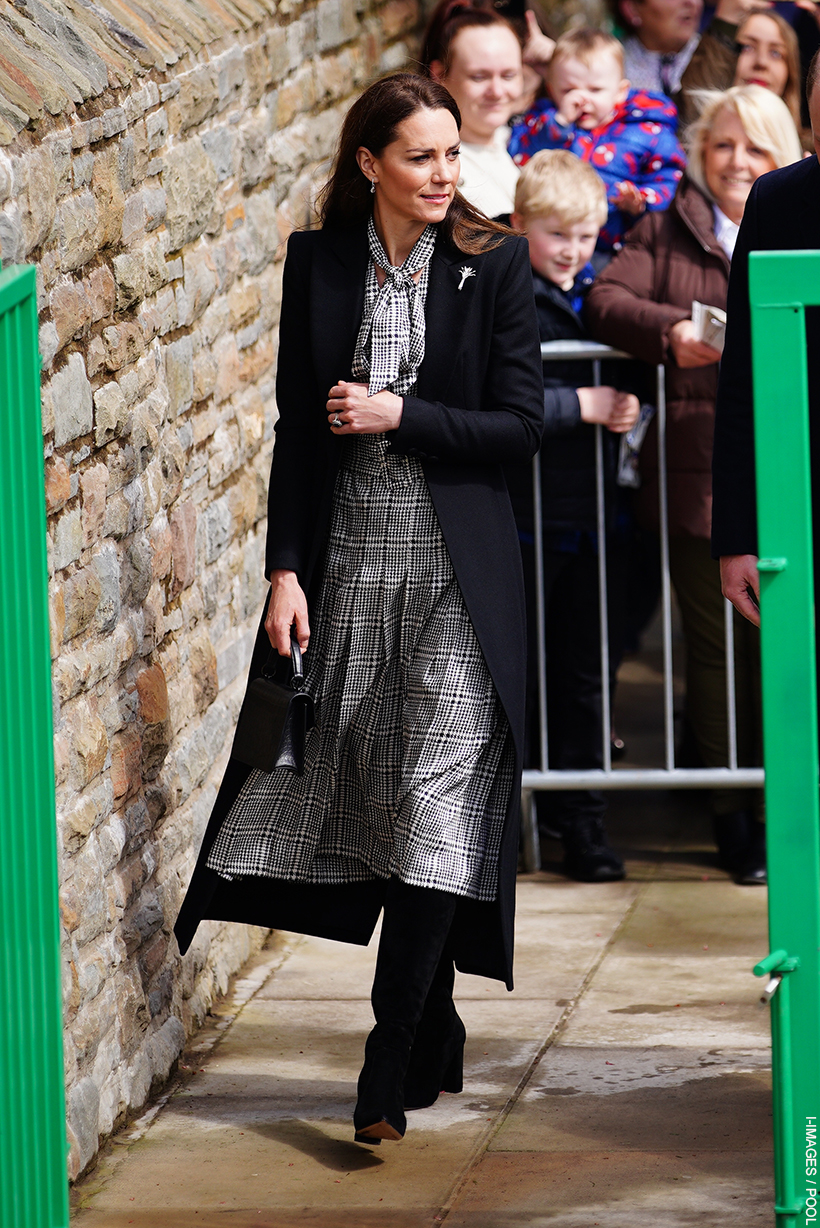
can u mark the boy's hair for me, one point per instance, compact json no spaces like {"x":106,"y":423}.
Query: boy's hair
{"x":585,"y":44}
{"x":555,"y":181}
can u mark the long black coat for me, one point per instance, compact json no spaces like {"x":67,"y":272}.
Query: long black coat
{"x":782,"y":214}
{"x":479,"y":405}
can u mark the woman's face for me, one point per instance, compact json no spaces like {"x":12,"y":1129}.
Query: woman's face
{"x":764,"y":56}
{"x":663,"y":25}
{"x":731,"y":163}
{"x":416,"y":174}
{"x":485,"y":78}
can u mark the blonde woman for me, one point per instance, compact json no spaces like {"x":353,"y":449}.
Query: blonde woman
{"x":642,"y":302}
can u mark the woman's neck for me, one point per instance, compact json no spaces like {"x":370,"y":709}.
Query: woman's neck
{"x":398,"y":236}
{"x":733,"y":212}
{"x":470,"y":137}
{"x":661,"y":45}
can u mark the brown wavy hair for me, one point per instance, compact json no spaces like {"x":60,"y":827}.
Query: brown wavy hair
{"x":448,"y":19}
{"x":372,"y":122}
{"x":791,"y":91}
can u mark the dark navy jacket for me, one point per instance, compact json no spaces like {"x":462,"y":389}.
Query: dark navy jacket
{"x":567,"y":456}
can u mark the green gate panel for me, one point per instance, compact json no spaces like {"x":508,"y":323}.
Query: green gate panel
{"x":781,"y":285}
{"x":33,"y":1187}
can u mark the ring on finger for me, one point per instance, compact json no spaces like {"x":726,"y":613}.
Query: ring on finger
{"x":337,"y":421}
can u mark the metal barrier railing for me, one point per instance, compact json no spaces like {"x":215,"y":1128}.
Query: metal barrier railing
{"x":670,"y":776}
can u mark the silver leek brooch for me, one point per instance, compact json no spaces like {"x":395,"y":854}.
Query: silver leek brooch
{"x":465,"y":272}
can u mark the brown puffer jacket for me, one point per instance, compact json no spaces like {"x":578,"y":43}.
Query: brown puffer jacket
{"x":669,"y":259}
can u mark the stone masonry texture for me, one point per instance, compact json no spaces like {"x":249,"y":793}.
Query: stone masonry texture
{"x":153,"y":160}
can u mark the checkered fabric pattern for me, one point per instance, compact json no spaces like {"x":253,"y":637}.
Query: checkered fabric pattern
{"x":390,"y":345}
{"x":409,"y":768}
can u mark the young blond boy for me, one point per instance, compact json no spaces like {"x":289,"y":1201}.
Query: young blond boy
{"x":560,"y":203}
{"x":628,"y":136}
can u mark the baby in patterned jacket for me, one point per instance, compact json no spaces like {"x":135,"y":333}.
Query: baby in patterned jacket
{"x":628,"y":136}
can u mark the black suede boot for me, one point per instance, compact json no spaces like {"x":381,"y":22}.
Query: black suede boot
{"x":415,"y":927}
{"x":437,"y":1056}
{"x":752,"y":870}
{"x":587,"y":855}
{"x":733,"y":835}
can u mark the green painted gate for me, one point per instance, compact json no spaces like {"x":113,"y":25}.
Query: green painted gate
{"x":33,"y":1187}
{"x":782,"y":284}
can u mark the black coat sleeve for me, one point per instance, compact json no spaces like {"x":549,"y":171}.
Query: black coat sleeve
{"x":298,"y":457}
{"x":734,"y":513}
{"x":506,"y":427}
{"x":562,"y":409}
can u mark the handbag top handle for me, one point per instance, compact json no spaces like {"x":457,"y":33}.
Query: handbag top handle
{"x":297,"y":680}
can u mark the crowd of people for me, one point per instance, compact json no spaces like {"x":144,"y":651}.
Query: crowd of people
{"x":627,"y":161}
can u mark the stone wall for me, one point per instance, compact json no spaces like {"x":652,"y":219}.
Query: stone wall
{"x":152,"y":162}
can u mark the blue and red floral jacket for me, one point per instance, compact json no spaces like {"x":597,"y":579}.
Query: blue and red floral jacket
{"x":639,"y":145}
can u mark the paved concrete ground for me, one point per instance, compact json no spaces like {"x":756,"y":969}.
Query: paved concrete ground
{"x":623,"y":1084}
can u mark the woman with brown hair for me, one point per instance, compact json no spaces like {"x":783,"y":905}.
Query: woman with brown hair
{"x":409,"y":373}
{"x":764,"y":51}
{"x":476,"y":53}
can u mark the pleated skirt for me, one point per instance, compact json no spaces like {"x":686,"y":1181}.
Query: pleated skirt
{"x":409,"y":768}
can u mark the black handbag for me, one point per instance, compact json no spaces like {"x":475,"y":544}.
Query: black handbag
{"x":275,"y":716}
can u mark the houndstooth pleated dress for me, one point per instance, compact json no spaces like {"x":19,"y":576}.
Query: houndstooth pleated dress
{"x":409,"y":768}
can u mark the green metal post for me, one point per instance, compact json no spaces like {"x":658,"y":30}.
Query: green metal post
{"x":781,"y":285}
{"x":33,"y":1186}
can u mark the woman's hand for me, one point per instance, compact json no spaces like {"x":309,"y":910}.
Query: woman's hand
{"x":539,"y":47}
{"x":287,"y":605}
{"x":688,"y":351}
{"x":738,"y":579}
{"x":360,"y":414}
{"x":808,"y":6}
{"x":617,"y":411}
{"x":733,"y":11}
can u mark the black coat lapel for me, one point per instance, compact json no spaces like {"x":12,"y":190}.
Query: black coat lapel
{"x":337,"y":292}
{"x":451,"y":293}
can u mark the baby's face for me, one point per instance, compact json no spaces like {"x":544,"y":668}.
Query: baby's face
{"x":558,"y":249}
{"x":588,"y":94}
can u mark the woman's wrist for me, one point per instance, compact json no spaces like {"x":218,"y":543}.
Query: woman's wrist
{"x":280,"y":575}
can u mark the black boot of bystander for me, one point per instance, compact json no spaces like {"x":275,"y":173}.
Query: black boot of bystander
{"x":741,"y":843}
{"x":587,"y":854}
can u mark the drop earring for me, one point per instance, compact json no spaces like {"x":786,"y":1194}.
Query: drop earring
{"x":372,"y":187}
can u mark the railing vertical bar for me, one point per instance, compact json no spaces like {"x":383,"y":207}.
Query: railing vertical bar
{"x":666,"y":586}
{"x":603,"y":603}
{"x":530,"y":836}
{"x":540,"y":613}
{"x":731,"y":693}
